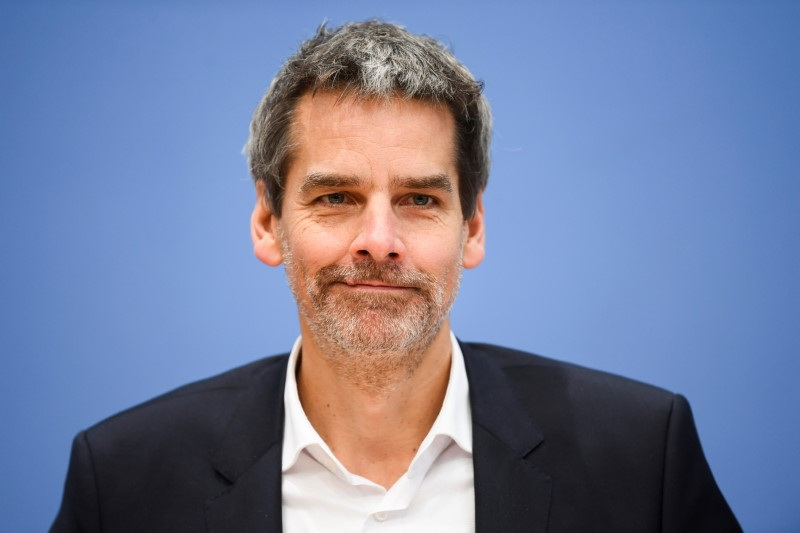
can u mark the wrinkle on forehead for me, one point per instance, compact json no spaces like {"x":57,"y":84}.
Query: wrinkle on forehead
{"x":321,"y":103}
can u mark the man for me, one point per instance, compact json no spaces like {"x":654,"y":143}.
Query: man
{"x":370,"y":155}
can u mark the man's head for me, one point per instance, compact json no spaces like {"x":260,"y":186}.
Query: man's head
{"x":365,"y":204}
{"x":371,"y":60}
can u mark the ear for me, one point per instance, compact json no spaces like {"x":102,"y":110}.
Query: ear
{"x":474,"y":245}
{"x":264,"y":230}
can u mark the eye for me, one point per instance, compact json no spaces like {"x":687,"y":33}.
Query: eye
{"x":335,"y":198}
{"x":420,"y":199}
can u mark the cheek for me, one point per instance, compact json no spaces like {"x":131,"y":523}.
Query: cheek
{"x":316,"y":246}
{"x":440,"y":257}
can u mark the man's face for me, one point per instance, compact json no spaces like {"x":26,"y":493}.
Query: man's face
{"x":372,"y":233}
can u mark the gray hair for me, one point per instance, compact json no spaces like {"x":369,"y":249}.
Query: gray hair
{"x":372,"y":59}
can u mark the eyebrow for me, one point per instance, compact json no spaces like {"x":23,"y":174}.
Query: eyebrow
{"x":440,"y":182}
{"x":319,"y":180}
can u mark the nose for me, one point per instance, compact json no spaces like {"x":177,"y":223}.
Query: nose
{"x":378,"y":236}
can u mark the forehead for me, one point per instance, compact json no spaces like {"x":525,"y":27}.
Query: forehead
{"x":331,"y":132}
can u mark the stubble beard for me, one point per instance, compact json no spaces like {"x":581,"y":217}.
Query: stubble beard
{"x":372,"y":338}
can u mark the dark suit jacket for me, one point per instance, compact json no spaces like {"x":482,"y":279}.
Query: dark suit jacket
{"x":556,"y":448}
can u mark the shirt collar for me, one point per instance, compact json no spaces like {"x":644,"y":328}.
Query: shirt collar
{"x":454,"y":421}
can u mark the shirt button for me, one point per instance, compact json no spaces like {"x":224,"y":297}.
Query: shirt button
{"x":381,"y":516}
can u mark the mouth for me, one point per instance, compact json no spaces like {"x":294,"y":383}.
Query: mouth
{"x":374,"y":285}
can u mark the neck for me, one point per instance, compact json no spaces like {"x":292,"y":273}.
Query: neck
{"x":374,"y":410}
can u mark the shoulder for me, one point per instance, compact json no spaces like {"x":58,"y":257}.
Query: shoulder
{"x":518,"y":365}
{"x":556,"y":392}
{"x":162,"y":458}
{"x":533,"y":369}
{"x":198,"y":410}
{"x":608,"y":442}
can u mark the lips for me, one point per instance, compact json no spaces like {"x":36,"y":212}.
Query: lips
{"x":375,"y":283}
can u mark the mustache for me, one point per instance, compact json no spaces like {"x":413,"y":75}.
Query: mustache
{"x":369,"y":269}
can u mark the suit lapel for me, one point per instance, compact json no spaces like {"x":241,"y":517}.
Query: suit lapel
{"x":512,"y":494}
{"x":250,"y":459}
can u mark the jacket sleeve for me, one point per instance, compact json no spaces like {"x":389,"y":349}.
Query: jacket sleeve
{"x":80,"y":510}
{"x":691,"y":499}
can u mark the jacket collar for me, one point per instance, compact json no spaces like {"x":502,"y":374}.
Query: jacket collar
{"x":249,"y":457}
{"x":512,"y":494}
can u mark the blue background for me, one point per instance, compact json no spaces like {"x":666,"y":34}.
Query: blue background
{"x":642,"y":211}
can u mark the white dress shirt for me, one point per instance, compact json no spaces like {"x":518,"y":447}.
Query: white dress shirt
{"x":436,"y":494}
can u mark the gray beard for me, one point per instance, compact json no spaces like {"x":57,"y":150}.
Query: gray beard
{"x":371,"y":337}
